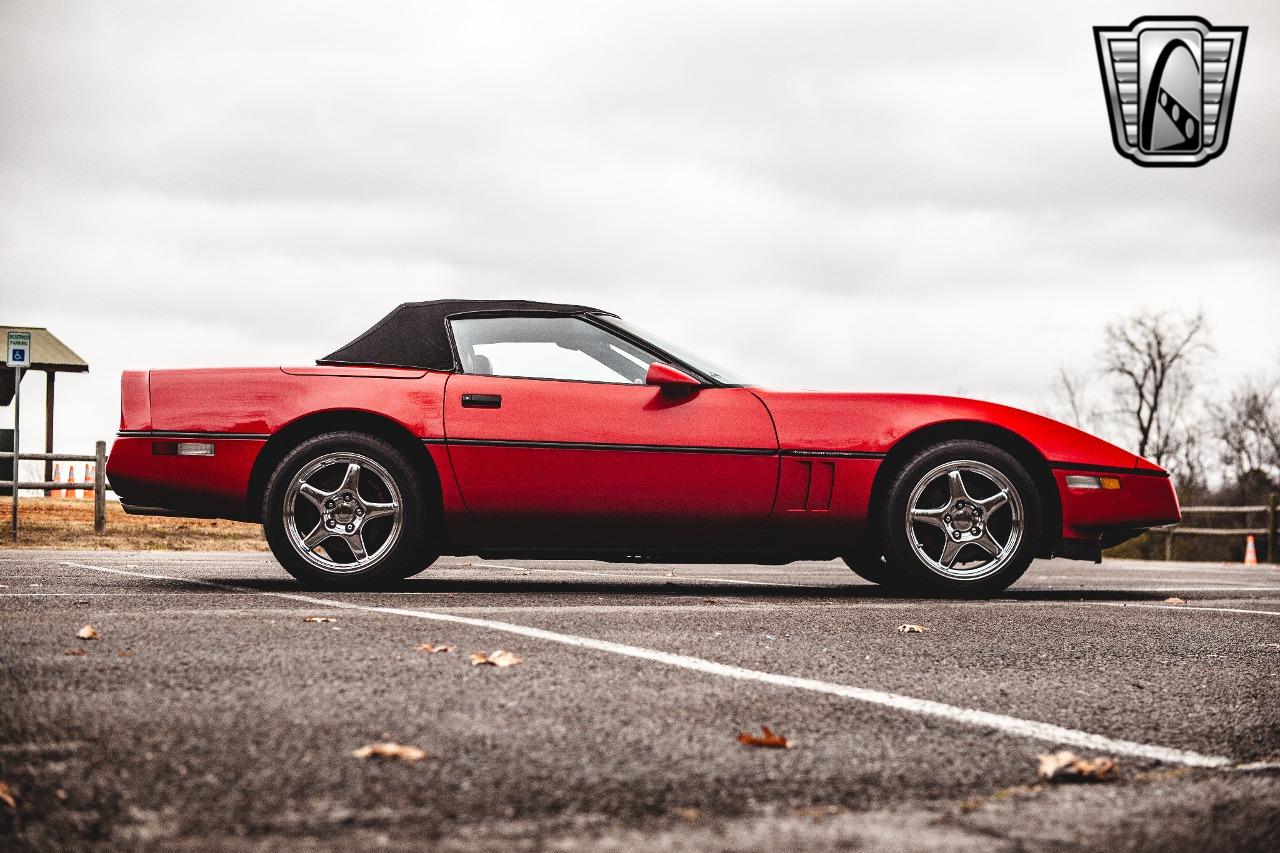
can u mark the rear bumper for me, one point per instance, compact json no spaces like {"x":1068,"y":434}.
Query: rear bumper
{"x":152,"y":483}
{"x":1093,"y":519}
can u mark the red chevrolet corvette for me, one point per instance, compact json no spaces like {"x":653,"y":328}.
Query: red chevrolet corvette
{"x":526,"y":429}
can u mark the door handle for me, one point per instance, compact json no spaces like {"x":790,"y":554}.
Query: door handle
{"x":482,"y":401}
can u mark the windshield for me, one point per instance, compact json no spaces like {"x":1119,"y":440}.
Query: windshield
{"x":697,"y":362}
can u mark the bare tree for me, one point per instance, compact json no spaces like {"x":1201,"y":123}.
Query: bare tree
{"x":1152,"y":359}
{"x":1247,"y":426}
{"x":1073,"y":401}
{"x":1192,"y":460}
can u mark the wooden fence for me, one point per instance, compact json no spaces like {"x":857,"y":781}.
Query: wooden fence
{"x":1268,"y":532}
{"x":99,"y":458}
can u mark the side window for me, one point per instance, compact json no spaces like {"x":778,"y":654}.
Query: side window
{"x":547,"y":348}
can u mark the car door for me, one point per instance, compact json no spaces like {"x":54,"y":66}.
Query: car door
{"x":581,"y":453}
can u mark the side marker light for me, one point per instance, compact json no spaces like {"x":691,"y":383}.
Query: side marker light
{"x":1080,"y":481}
{"x":182,"y":448}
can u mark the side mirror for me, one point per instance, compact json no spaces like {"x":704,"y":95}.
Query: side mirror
{"x":671,"y":380}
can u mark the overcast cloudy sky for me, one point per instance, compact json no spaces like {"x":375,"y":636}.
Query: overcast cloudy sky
{"x":914,"y":196}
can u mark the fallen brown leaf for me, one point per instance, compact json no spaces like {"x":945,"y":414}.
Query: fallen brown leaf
{"x":1066,"y":766}
{"x":434,"y":650}
{"x":390,"y":750}
{"x":88,"y":632}
{"x":77,"y":652}
{"x":501,"y":657}
{"x":123,"y":653}
{"x":1173,"y":599}
{"x":318,"y":619}
{"x":6,"y":796}
{"x":770,"y":739}
{"x":688,"y":814}
{"x":912,"y":629}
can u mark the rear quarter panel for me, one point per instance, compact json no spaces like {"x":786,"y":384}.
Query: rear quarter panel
{"x":238,"y":409}
{"x":263,"y":400}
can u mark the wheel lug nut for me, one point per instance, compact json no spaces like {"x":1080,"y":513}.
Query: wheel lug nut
{"x":359,"y":510}
{"x":329,"y":523}
{"x":955,"y":534}
{"x":328,"y":504}
{"x":947,"y":519}
{"x":351,"y":528}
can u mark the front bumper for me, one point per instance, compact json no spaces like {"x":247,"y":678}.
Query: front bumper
{"x":1093,"y":519}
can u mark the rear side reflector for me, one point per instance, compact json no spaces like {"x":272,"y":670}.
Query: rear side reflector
{"x":181,"y":448}
{"x":1078,"y":481}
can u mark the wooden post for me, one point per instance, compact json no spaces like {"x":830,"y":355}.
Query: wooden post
{"x":100,"y":488}
{"x":1273,"y":528}
{"x":49,"y":376}
{"x":1168,"y":544}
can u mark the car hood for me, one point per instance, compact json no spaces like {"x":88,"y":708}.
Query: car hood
{"x":873,"y":423}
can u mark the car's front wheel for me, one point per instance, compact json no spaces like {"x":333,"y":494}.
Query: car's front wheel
{"x":346,"y":509}
{"x":867,"y":561}
{"x":961,"y":517}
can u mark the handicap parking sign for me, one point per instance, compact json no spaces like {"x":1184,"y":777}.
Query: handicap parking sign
{"x":18,"y":351}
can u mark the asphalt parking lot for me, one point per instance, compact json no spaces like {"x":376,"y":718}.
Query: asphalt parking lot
{"x":210,"y":715}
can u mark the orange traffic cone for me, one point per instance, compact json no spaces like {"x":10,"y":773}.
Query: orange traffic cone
{"x":57,"y":478}
{"x":88,"y":481}
{"x":1250,"y":553}
{"x":71,"y":478}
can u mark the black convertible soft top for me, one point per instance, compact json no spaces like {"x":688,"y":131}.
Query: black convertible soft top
{"x":416,"y":334}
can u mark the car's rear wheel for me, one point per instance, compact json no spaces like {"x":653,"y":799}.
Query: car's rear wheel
{"x":346,"y":509}
{"x":961,"y":517}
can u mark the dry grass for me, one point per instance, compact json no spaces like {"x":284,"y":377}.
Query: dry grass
{"x":59,"y":523}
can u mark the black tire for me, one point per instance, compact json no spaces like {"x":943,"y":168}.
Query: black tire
{"x":867,"y":561}
{"x":397,"y":544}
{"x":927,"y":477}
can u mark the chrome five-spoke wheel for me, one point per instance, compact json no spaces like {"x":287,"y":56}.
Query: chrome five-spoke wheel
{"x":342,"y":512}
{"x":965,"y":520}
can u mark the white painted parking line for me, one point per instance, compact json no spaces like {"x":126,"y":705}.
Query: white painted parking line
{"x":1186,"y":565}
{"x":925,"y":707}
{"x":1187,"y":607}
{"x":1167,"y":588}
{"x":98,"y":594}
{"x":1175,"y":579}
